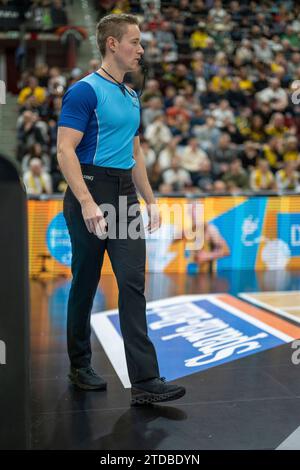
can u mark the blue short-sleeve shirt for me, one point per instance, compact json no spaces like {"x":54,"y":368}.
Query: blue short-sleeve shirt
{"x":109,"y":120}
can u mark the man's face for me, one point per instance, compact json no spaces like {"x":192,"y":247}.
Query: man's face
{"x":129,"y":50}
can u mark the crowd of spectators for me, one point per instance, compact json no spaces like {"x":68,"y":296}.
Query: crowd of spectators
{"x":220,"y":109}
{"x":40,"y":15}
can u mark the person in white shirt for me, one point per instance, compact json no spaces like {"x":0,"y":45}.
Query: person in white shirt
{"x":166,"y":155}
{"x":274,"y":95}
{"x":36,"y":180}
{"x":192,"y":158}
{"x":158,"y":133}
{"x":176,"y":177}
{"x":288,"y":178}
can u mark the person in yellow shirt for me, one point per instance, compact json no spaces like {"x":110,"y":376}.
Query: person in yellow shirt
{"x":288,"y":178}
{"x":32,"y":90}
{"x":245,"y":84}
{"x":220,"y":82}
{"x":199,"y":39}
{"x":290,"y":151}
{"x":261,"y":177}
{"x":272,"y":152}
{"x":276,"y":126}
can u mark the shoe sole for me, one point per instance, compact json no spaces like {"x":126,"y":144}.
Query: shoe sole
{"x":83,"y":386}
{"x":145,"y":398}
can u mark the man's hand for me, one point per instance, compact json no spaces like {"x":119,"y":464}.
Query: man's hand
{"x":93,"y":218}
{"x":154,"y":217}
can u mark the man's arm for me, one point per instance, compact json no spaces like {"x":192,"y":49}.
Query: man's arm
{"x":140,"y":179}
{"x":67,"y":141}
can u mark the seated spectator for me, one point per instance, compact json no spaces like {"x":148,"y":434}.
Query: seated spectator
{"x":28,"y":133}
{"x":277,"y":126}
{"x":32,"y":89}
{"x":151,"y":90}
{"x":179,"y":109}
{"x":235,"y":96}
{"x":261,"y":178}
{"x":158,"y":133}
{"x":236,"y":176}
{"x":222,"y":112}
{"x":222,"y":155}
{"x":263,"y":51}
{"x":256,"y":131}
{"x":165,"y":36}
{"x":176,"y":177}
{"x":245,"y":84}
{"x":248,"y":154}
{"x":198,"y":117}
{"x":205,"y":180}
{"x":288,"y":178}
{"x":291,"y":150}
{"x":56,"y":78}
{"x":36,"y":151}
{"x":146,"y":35}
{"x":221,"y":82}
{"x":37,"y":181}
{"x":199,"y":38}
{"x":272,"y":152}
{"x":153,"y":109}
{"x":208,"y":135}
{"x":273,"y":94}
{"x":153,"y":54}
{"x":167,"y":154}
{"x":169,"y":96}
{"x":192,"y":159}
{"x":232,"y":130}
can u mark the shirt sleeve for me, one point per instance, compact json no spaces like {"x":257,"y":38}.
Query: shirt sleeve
{"x":79,"y":103}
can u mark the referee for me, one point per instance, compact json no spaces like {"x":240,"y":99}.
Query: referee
{"x":100,"y":156}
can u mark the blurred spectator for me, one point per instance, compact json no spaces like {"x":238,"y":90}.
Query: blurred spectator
{"x":236,"y":177}
{"x":32,"y":89}
{"x":205,"y":180}
{"x":222,"y":155}
{"x":222,"y":112}
{"x":158,"y":133}
{"x":166,"y":155}
{"x":36,"y":151}
{"x":176,"y":178}
{"x":288,"y":178}
{"x":261,"y":177}
{"x":291,"y":150}
{"x":37,"y":181}
{"x":153,"y":109}
{"x":192,"y":159}
{"x":274,"y":95}
{"x":208,"y":135}
{"x":29,"y":133}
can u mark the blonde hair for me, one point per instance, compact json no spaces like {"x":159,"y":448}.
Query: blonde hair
{"x":113,"y":25}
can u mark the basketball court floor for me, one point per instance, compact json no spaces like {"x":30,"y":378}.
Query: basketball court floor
{"x":230,"y":338}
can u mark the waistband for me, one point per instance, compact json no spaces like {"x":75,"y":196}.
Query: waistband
{"x":93,"y":170}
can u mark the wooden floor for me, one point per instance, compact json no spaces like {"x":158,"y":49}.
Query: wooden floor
{"x":251,"y":403}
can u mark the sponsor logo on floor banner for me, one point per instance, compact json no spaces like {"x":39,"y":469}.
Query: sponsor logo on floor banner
{"x":195,"y":332}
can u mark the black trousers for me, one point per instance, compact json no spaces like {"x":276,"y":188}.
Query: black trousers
{"x":127,"y":256}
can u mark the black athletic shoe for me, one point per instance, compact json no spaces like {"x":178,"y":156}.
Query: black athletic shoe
{"x":86,"y":379}
{"x":154,"y":391}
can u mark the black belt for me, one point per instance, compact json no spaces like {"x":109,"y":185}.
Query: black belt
{"x":94,"y":170}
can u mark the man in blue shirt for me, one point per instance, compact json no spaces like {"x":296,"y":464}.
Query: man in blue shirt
{"x":100,"y":156}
